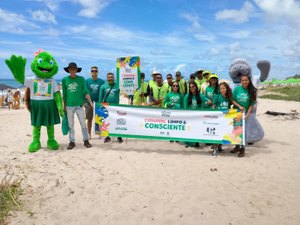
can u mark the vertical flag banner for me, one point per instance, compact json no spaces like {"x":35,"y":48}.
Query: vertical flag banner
{"x":128,"y":74}
{"x":170,"y":124}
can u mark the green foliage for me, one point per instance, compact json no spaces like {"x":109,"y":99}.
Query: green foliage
{"x":9,"y":196}
{"x":290,"y":93}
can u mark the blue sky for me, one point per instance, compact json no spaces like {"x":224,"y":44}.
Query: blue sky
{"x":168,"y":35}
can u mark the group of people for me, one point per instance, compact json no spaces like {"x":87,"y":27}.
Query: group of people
{"x":12,"y":99}
{"x":201,"y":91}
{"x":79,"y":95}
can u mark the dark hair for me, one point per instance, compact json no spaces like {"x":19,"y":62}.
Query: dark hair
{"x":228,"y":93}
{"x":192,"y":76}
{"x":178,"y":86}
{"x":109,"y":73}
{"x":251,"y":89}
{"x":190,"y":95}
{"x":95,"y":67}
{"x":216,"y":90}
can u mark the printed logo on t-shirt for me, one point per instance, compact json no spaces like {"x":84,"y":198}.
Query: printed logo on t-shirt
{"x":72,"y":87}
{"x":42,"y":87}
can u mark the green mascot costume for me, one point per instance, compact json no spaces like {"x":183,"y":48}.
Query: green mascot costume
{"x":45,"y":104}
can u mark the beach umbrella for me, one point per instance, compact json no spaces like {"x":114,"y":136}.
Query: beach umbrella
{"x":4,"y":87}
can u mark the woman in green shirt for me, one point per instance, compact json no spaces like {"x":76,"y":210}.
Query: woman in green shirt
{"x":173,"y":99}
{"x":245,"y":97}
{"x":212,"y":90}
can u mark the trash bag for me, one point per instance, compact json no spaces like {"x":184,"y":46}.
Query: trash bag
{"x":65,"y":124}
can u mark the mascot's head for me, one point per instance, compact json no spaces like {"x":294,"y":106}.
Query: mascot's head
{"x":238,"y":68}
{"x":44,"y":65}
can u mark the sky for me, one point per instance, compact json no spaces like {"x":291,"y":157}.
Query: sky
{"x":168,"y":35}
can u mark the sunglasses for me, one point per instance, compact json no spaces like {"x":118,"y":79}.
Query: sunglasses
{"x":94,"y":71}
{"x":169,"y":77}
{"x":192,"y":86}
{"x":174,"y":85}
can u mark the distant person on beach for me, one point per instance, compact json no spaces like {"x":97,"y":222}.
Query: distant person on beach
{"x":9,"y":99}
{"x":110,"y":93}
{"x":74,"y":94}
{"x":93,"y":86}
{"x":158,"y":92}
{"x":245,"y":98}
{"x":17,"y":99}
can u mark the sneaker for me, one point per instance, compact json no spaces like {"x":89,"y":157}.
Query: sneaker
{"x":242,"y":152}
{"x":71,"y":145}
{"x":87,"y":144}
{"x":171,"y":141}
{"x":120,"y":140}
{"x":107,"y":139}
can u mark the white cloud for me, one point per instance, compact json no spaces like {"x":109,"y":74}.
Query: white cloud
{"x":180,"y":67}
{"x":196,"y":29}
{"x":237,"y":16}
{"x":43,"y":16}
{"x":91,"y":7}
{"x":11,"y":22}
{"x":240,"y":34}
{"x":279,"y":10}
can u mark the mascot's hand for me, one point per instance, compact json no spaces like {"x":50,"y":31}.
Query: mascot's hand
{"x":17,"y":64}
{"x":264,"y":68}
{"x":58,"y":101}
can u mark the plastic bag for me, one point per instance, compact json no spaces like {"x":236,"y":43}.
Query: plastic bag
{"x":65,"y":124}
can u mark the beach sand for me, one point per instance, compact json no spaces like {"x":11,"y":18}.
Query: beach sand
{"x":156,"y":182}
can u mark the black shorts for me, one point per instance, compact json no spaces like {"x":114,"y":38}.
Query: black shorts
{"x":88,"y":111}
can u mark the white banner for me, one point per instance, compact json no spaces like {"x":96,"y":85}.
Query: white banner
{"x":170,"y":124}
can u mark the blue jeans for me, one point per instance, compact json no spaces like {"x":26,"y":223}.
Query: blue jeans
{"x":71,"y":110}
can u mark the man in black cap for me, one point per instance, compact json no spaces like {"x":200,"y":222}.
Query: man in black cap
{"x":74,"y":93}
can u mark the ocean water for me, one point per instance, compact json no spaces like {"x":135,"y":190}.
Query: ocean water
{"x":11,"y":82}
{"x":15,"y":84}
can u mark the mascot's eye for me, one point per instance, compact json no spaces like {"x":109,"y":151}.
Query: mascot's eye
{"x":40,"y":60}
{"x":51,"y":62}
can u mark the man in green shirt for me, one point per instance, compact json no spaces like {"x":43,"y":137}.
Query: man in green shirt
{"x":74,"y":93}
{"x":93,"y":86}
{"x":110,"y":93}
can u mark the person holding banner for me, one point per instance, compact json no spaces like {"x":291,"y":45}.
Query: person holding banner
{"x":158,"y":92}
{"x":93,"y":85}
{"x":173,"y":99}
{"x":245,"y":97}
{"x":193,"y":100}
{"x":110,"y":93}
{"x":222,"y":101}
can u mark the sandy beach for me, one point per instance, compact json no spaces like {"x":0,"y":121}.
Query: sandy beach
{"x":155,"y":182}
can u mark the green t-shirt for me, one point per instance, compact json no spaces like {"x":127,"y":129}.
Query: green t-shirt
{"x":93,"y":87}
{"x":194,"y":104}
{"x":113,"y":96}
{"x":174,"y":98}
{"x":74,"y":90}
{"x":242,"y":97}
{"x":221,"y":102}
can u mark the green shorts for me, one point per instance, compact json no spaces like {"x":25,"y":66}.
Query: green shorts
{"x":88,"y":111}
